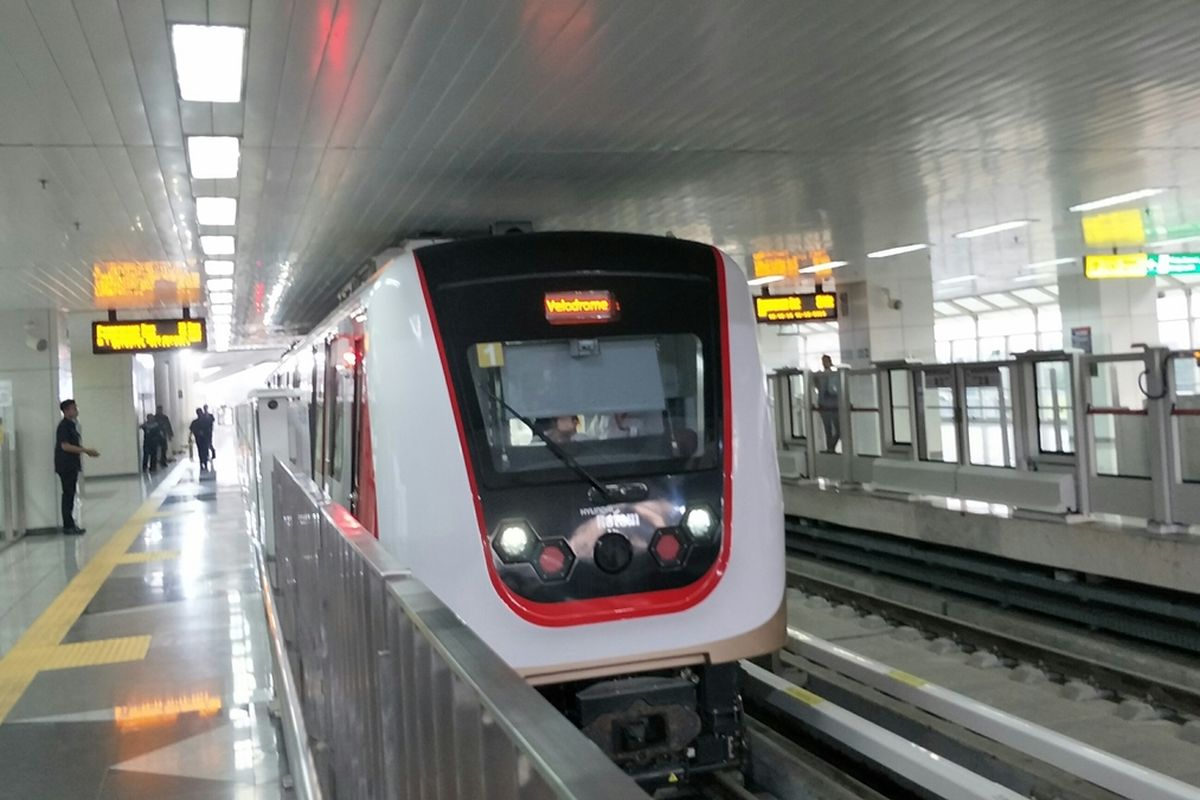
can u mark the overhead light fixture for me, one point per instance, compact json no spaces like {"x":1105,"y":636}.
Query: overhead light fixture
{"x":959,"y":279}
{"x":1023,"y":278}
{"x":217,"y":245}
{"x":208,"y":62}
{"x":218,"y":268}
{"x":220,"y":298}
{"x":216,"y":210}
{"x":1172,"y":242}
{"x":897,"y":251}
{"x":764,"y":279}
{"x":1054,"y":263}
{"x":214,"y":156}
{"x":222,"y":312}
{"x":220,"y":284}
{"x":823,"y":267}
{"x":999,"y":227}
{"x":1117,"y":199}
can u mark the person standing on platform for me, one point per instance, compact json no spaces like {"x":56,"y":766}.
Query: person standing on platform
{"x":68,"y":448}
{"x":826,"y":384}
{"x":151,"y":443}
{"x":166,"y":433}
{"x":211,"y":421}
{"x":201,"y":430}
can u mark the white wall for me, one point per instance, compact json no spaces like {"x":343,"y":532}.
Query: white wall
{"x":35,"y":378}
{"x":103,"y":387}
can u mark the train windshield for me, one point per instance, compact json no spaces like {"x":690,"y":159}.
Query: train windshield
{"x":635,"y":401}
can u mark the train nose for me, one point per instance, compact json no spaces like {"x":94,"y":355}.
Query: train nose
{"x":612,"y":553}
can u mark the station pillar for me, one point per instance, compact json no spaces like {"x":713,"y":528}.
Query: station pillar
{"x":33,"y":375}
{"x":886,"y":310}
{"x":1110,"y":315}
{"x":108,"y":400}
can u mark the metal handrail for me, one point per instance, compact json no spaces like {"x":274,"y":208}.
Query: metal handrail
{"x":402,"y":700}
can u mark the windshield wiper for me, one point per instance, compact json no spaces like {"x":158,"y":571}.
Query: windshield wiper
{"x":554,"y":447}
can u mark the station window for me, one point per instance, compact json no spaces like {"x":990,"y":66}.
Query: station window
{"x":1055,"y":409}
{"x":901,"y":406}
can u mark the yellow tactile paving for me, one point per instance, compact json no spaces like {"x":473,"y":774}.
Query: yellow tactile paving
{"x":148,"y":556}
{"x":40,"y":649}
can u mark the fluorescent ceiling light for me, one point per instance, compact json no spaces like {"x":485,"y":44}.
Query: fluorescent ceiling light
{"x":1054,"y":263}
{"x":217,"y":245}
{"x":214,"y":156}
{"x":960,"y":279}
{"x":1024,"y":278}
{"x":218,"y":269}
{"x":208,"y":62}
{"x":216,"y":210}
{"x":766,"y":279}
{"x":825,"y":266}
{"x":990,"y":229}
{"x":897,"y":251}
{"x":220,"y":284}
{"x":221,"y":313}
{"x":220,"y":298}
{"x":1172,"y":242}
{"x":1117,"y":199}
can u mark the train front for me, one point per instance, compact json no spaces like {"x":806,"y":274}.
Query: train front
{"x":609,"y":399}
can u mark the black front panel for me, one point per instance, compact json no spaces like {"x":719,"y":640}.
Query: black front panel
{"x":660,"y":353}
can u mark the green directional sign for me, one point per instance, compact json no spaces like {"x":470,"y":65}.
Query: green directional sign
{"x":1140,"y":265}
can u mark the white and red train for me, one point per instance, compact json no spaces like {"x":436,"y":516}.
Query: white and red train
{"x":566,"y":437}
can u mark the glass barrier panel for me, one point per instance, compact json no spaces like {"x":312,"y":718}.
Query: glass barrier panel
{"x":864,"y":414}
{"x":1055,"y":412}
{"x":1119,"y":426}
{"x":901,"y":404}
{"x":1185,"y":378}
{"x":989,"y":410}
{"x":941,"y":440}
{"x":796,"y":405}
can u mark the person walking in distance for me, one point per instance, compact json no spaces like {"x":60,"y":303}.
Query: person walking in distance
{"x":68,"y":448}
{"x":166,"y":433}
{"x":210,"y":420}
{"x":201,"y":430}
{"x":826,"y":384}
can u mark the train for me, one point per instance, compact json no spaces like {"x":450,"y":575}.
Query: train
{"x":566,"y":437}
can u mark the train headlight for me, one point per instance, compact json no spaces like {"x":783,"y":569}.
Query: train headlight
{"x":513,"y":542}
{"x":701,"y":523}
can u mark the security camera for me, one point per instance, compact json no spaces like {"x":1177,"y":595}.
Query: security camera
{"x":34,"y":342}
{"x":896,"y":305}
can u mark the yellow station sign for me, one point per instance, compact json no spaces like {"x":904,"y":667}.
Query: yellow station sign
{"x":148,"y":335}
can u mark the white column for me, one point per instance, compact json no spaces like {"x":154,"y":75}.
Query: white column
{"x":108,"y":405}
{"x":29,"y":359}
{"x":886,"y":310}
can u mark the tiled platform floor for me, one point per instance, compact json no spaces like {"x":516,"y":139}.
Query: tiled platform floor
{"x":135,"y":658}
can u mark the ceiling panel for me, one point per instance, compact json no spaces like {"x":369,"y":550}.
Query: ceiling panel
{"x":750,"y":123}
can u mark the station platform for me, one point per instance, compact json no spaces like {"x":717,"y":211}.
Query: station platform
{"x":1113,"y":550}
{"x":136,"y":660}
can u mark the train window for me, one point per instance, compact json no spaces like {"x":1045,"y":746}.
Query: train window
{"x":607,"y":401}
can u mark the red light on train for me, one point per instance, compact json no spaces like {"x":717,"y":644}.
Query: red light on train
{"x":581,"y":308}
{"x":554,"y":560}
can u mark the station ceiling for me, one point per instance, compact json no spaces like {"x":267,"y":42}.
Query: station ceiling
{"x":849,"y":126}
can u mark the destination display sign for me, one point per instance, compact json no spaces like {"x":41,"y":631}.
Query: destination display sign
{"x":148,"y":335}
{"x":781,"y":309}
{"x":1140,"y":265}
{"x":580,"y":308}
{"x":142,"y":284}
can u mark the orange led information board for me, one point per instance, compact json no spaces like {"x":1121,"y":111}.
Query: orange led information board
{"x":580,"y":308}
{"x":780,"y":309}
{"x":141,"y":284}
{"x":148,"y":335}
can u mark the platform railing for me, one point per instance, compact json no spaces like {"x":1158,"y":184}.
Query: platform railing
{"x":399,"y":699}
{"x":1059,"y":433}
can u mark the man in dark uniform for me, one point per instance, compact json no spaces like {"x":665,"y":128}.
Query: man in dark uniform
{"x":67,"y":462}
{"x":166,"y":433}
{"x":201,"y":430}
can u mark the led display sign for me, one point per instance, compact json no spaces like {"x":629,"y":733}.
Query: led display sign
{"x":787,"y":263}
{"x":148,"y":335}
{"x":580,"y":308}
{"x":780,"y":309}
{"x":1140,"y":265}
{"x":141,"y":284}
